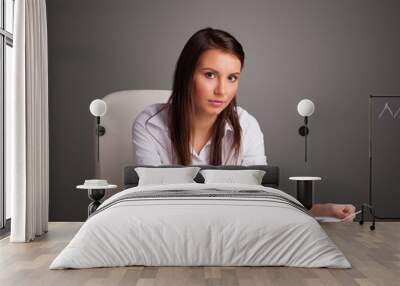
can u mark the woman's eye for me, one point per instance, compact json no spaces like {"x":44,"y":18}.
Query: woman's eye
{"x":209,"y":74}
{"x":232,"y":78}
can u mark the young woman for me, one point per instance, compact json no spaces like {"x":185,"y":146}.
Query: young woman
{"x":201,"y":123}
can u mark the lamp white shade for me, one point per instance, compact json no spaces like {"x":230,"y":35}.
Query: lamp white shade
{"x":305,"y":107}
{"x":98,"y":107}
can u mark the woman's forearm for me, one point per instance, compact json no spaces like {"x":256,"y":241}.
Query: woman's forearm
{"x":340,"y":211}
{"x":321,"y":210}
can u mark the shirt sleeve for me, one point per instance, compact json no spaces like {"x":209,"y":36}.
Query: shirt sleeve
{"x":144,"y":149}
{"x":253,"y":144}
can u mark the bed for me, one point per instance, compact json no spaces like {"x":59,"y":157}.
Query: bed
{"x":201,"y":224}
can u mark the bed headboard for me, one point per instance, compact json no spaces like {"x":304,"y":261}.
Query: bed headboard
{"x":116,"y":149}
{"x":270,"y":179}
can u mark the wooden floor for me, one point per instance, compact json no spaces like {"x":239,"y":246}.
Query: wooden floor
{"x":375,"y":256}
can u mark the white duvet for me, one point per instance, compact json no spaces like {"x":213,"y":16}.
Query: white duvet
{"x":180,"y":231}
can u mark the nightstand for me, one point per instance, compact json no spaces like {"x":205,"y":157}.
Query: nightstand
{"x":96,"y":191}
{"x":305,"y":192}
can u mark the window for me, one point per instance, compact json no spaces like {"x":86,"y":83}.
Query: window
{"x":6,"y":70}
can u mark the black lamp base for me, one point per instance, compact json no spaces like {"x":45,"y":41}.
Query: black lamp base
{"x":100,"y":130}
{"x":305,"y":193}
{"x":95,"y":195}
{"x":303,"y":130}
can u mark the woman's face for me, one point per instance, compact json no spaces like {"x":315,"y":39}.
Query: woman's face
{"x":215,"y":81}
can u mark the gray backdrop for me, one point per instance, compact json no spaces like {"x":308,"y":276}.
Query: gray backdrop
{"x":334,"y":52}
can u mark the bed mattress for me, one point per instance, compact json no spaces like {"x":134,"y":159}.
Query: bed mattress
{"x":201,"y":225}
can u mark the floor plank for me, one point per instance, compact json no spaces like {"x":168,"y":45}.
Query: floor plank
{"x":375,"y":257}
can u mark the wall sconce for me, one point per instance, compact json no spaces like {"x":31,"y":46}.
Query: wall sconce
{"x":305,"y":108}
{"x":98,"y":108}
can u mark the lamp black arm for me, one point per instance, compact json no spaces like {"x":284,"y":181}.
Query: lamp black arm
{"x":304,"y":131}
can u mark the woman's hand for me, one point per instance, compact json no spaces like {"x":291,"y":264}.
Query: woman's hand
{"x":339,"y":211}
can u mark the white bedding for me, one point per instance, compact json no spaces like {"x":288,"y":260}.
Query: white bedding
{"x":187,"y":230}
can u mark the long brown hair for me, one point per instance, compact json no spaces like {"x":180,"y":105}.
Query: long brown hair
{"x":181,"y":105}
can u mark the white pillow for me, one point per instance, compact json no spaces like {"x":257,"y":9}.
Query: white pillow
{"x":162,"y":176}
{"x":249,"y":177}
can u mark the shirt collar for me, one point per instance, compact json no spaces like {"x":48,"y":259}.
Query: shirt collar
{"x":228,"y":128}
{"x":159,"y":120}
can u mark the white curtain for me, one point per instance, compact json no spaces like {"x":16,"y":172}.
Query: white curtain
{"x":27,"y":139}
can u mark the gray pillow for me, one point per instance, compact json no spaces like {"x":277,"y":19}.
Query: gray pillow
{"x":162,"y":176}
{"x":249,"y":177}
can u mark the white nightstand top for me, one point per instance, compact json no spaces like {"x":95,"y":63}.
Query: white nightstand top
{"x":305,"y":178}
{"x":86,"y":187}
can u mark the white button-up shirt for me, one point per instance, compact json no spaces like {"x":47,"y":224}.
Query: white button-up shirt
{"x":152,"y":144}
